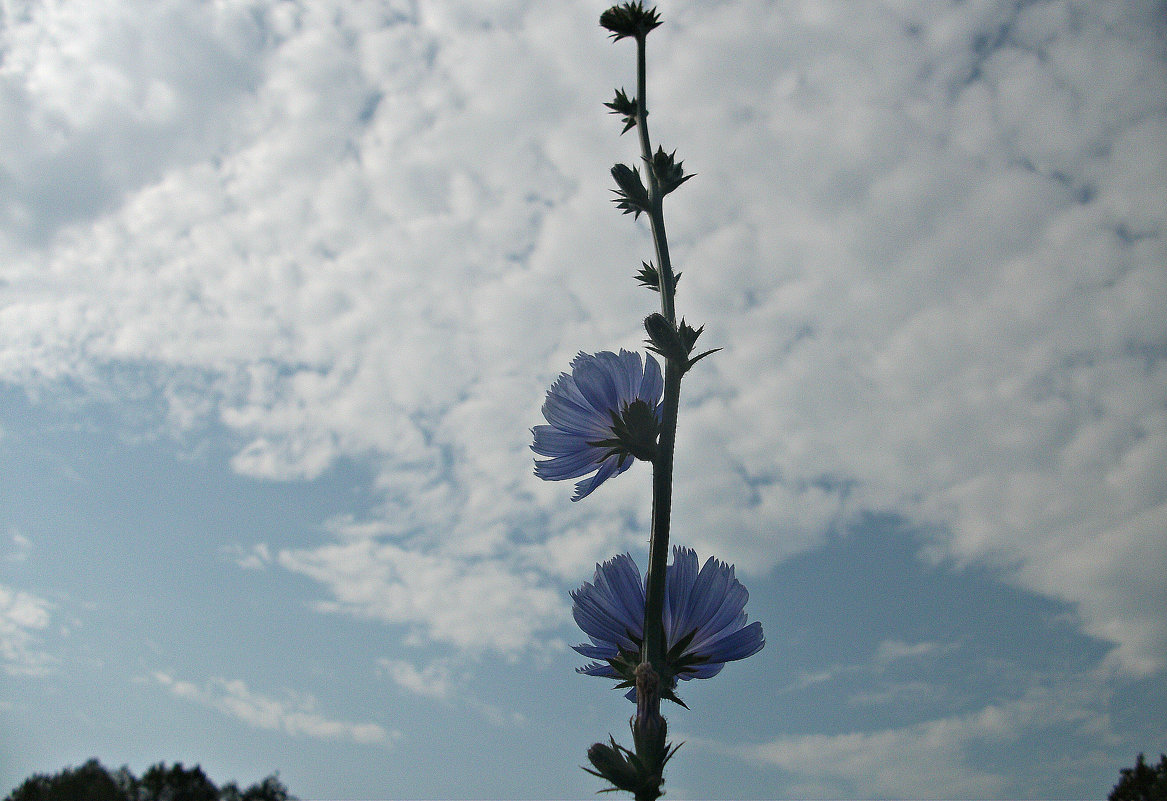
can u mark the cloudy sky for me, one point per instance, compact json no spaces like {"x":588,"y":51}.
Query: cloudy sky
{"x":283,"y":284}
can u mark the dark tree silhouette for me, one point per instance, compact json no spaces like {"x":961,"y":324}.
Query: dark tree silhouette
{"x":270,"y":789}
{"x":92,"y":782}
{"x":160,"y":783}
{"x":1142,"y":782}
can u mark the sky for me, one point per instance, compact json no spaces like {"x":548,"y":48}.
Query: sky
{"x":283,"y":284}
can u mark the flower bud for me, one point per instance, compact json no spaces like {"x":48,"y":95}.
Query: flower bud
{"x":629,"y":19}
{"x":618,"y":765}
{"x":675,"y":343}
{"x":664,"y":338}
{"x":668,"y":171}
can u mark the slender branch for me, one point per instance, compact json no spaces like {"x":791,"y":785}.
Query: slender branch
{"x":662,"y":468}
{"x":662,"y":498}
{"x":668,"y":283}
{"x":653,"y":675}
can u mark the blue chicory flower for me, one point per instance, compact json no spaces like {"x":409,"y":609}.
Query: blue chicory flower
{"x":704,"y":619}
{"x":605,"y":411}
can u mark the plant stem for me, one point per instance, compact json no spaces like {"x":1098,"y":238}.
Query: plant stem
{"x":662,"y":466}
{"x":656,"y":212}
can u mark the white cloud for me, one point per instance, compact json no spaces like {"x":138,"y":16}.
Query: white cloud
{"x":471,"y":602}
{"x":433,"y":681}
{"x":947,"y":757}
{"x":294,"y":714}
{"x":440,"y":681}
{"x":257,"y":557}
{"x":22,"y":617}
{"x":912,"y":762}
{"x":20,"y":545}
{"x":946,"y":319}
{"x":931,"y":244}
{"x":894,"y":651}
{"x":100,"y":99}
{"x":888,"y":654}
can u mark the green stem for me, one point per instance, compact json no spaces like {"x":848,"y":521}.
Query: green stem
{"x":656,"y":215}
{"x":662,"y":466}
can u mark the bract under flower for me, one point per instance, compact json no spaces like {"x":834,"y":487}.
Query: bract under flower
{"x":704,"y":618}
{"x":588,"y":412}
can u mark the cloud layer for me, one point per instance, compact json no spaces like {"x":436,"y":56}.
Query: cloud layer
{"x":23,"y":617}
{"x":931,"y":244}
{"x":293,"y":714}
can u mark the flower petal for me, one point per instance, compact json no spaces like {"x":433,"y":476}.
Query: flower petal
{"x":679,"y":578}
{"x":574,"y":415}
{"x":652,"y":383}
{"x":571,"y":465}
{"x":707,"y":603}
{"x":611,"y":608}
{"x":596,"y":651}
{"x":598,"y":669}
{"x":744,"y":642}
{"x":597,"y":384}
{"x":579,"y":409}
{"x":704,"y":671}
{"x":630,"y":374}
{"x":551,"y":441}
{"x":608,"y":468}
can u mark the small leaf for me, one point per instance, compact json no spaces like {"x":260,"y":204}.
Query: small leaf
{"x":631,"y":197}
{"x":626,"y":106}
{"x":649,"y":277}
{"x":699,"y":358}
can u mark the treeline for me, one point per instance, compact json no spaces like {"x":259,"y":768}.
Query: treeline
{"x":1143,"y":782}
{"x":92,"y":782}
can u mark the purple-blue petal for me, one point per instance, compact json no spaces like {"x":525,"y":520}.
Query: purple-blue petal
{"x":652,"y":383}
{"x":610,"y":609}
{"x":743,"y":643}
{"x":608,"y":468}
{"x":570,"y":465}
{"x":725,"y":616}
{"x":596,"y":382}
{"x":551,"y":441}
{"x":598,"y":621}
{"x":621,"y":577}
{"x":575,"y":416}
{"x":709,"y":603}
{"x":579,"y":408}
{"x":706,"y":670}
{"x":596,"y":651}
{"x":629,"y":375}
{"x":679,"y":578}
{"x":598,"y":669}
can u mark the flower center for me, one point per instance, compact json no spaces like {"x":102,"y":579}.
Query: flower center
{"x":634,"y":433}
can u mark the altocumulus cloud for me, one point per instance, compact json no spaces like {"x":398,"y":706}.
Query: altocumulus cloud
{"x":23,"y":617}
{"x":470,"y":603}
{"x":294,"y":714}
{"x":949,"y":256}
{"x":932,"y":245}
{"x":942,"y":757}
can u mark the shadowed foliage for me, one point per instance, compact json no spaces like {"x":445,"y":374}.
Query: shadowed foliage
{"x":1143,"y":782}
{"x":93,"y":782}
